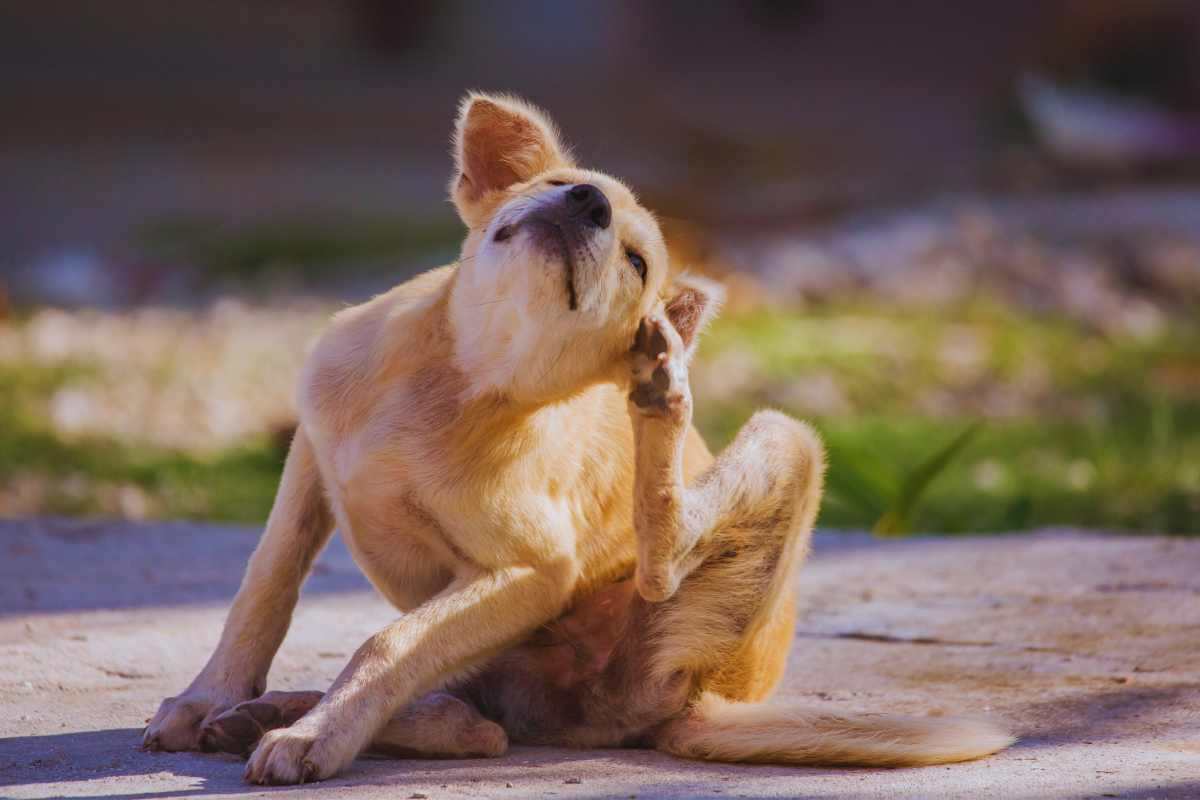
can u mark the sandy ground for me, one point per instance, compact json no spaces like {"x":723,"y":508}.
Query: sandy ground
{"x":1088,"y":646}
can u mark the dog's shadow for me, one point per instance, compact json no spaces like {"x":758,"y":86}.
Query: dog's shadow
{"x":82,"y":762}
{"x":87,"y":758}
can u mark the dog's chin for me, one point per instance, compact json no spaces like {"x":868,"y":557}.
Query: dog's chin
{"x":552,"y":244}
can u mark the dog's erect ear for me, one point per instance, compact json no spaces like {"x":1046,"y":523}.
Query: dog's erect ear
{"x":691,"y":304}
{"x":499,"y":141}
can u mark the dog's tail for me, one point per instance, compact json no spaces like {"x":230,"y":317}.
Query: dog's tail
{"x":716,"y":729}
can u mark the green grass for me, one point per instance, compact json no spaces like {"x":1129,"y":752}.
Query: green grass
{"x":82,"y":476}
{"x":1074,"y":427}
{"x":1010,"y":475}
{"x":980,"y":420}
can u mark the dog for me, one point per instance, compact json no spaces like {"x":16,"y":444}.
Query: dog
{"x":506,"y":446}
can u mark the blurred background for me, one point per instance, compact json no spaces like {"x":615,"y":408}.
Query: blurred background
{"x":962,"y":238}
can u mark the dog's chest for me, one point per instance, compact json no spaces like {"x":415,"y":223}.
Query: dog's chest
{"x":422,"y":499}
{"x":397,"y":497}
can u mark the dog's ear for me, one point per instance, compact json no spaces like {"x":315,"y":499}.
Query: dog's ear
{"x":499,"y":141}
{"x":691,"y":304}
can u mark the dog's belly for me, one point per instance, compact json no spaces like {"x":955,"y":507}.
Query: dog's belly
{"x":583,"y":680}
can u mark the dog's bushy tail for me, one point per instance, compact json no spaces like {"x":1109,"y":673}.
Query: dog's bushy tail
{"x":716,"y":729}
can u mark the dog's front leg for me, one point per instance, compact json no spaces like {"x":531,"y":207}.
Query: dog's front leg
{"x":770,"y":473}
{"x":667,"y":520}
{"x":299,"y":526}
{"x":477,"y":615}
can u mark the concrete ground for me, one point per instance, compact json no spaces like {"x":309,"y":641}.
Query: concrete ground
{"x":1088,"y":646}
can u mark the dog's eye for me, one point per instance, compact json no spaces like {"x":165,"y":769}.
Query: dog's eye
{"x":557,"y":183}
{"x":638,"y":263}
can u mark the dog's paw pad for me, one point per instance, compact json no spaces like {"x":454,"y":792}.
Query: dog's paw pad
{"x":658,"y":366}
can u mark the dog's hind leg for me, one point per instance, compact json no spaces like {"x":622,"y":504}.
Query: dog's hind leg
{"x":731,"y":620}
{"x":439,"y":725}
{"x":717,"y":559}
{"x":752,"y":509}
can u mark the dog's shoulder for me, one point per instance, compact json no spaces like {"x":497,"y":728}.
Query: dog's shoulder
{"x":370,"y":347}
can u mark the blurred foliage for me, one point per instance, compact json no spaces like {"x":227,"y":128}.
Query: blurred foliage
{"x":1079,"y":427}
{"x":98,"y":475}
{"x":898,"y":519}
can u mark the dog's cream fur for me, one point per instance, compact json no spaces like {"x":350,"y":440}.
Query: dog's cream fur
{"x":503,"y":443}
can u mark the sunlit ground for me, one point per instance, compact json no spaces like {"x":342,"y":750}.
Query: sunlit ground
{"x":157,"y":413}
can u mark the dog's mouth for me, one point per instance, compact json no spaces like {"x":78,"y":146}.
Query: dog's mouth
{"x":551,"y":238}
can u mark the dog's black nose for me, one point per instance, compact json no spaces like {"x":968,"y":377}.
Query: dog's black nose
{"x":590,"y":203}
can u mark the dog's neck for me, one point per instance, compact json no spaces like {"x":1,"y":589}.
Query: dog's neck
{"x":506,"y":352}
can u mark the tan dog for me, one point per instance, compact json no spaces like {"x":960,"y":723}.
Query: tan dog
{"x":503,"y":443}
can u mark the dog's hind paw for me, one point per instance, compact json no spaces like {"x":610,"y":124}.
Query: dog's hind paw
{"x":239,"y":729}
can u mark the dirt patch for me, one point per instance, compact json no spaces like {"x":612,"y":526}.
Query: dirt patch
{"x":88,"y":647}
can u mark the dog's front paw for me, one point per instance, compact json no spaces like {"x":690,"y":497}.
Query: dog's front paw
{"x":659,"y":366}
{"x":299,"y":754}
{"x":179,"y":721}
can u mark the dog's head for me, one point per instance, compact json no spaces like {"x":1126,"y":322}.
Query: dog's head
{"x":560,"y":263}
